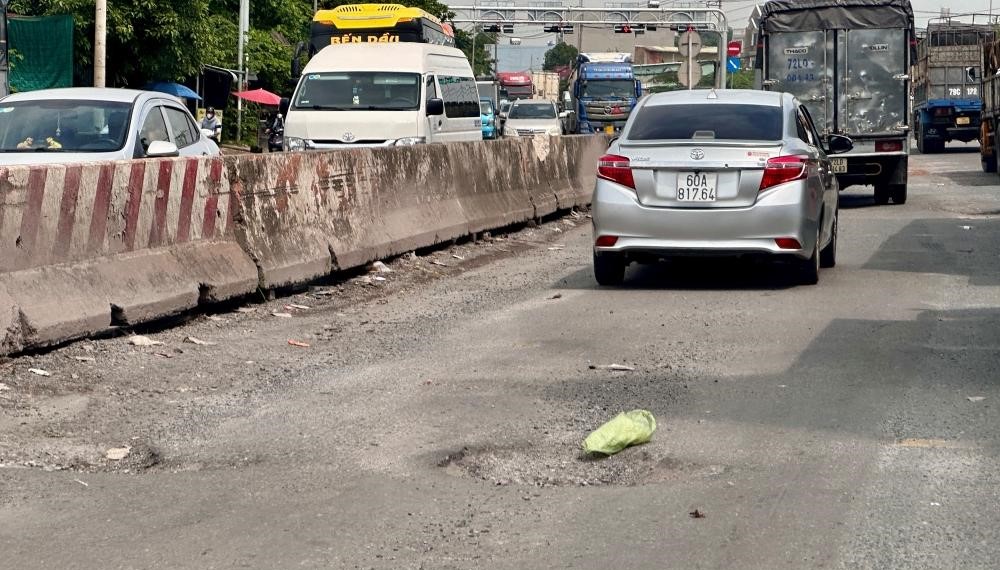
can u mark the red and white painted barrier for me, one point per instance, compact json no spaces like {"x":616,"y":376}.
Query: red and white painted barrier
{"x":88,"y":246}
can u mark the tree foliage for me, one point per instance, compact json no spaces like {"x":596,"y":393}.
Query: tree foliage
{"x":560,"y":55}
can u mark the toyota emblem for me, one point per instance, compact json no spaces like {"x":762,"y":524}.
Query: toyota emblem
{"x":697,"y":154}
{"x":348,"y":136}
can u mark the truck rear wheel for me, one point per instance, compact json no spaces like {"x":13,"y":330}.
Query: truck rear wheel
{"x":882,"y":194}
{"x":989,"y":162}
{"x":898,"y":193}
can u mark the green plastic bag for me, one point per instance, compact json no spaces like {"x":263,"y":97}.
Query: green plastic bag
{"x":625,"y":429}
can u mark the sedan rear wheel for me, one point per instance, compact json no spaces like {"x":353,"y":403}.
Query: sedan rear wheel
{"x":828,"y":255}
{"x":609,"y":269}
{"x":808,"y":269}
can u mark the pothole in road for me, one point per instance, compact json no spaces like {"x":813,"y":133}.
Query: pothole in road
{"x":566,"y":465}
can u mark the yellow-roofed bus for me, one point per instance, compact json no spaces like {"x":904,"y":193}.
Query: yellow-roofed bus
{"x":377,"y":23}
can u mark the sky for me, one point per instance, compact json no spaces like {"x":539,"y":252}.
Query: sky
{"x":531,"y":53}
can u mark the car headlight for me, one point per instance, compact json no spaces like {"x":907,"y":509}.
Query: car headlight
{"x":410,"y":141}
{"x":555,"y":131}
{"x":295,"y":144}
{"x":585,"y":127}
{"x":509,"y":132}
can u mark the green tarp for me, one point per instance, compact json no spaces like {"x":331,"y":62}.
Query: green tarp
{"x":41,"y":54}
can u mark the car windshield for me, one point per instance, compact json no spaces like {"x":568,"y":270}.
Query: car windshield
{"x":485,"y":107}
{"x":359,"y":91}
{"x":63,"y":125}
{"x":712,"y":120}
{"x":609,"y":89}
{"x":532,"y":111}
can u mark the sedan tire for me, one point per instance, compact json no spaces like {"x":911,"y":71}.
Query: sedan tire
{"x":807,"y":270}
{"x":828,"y":255}
{"x":609,"y":269}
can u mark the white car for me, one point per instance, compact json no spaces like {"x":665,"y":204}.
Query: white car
{"x":94,"y":124}
{"x":530,"y":117}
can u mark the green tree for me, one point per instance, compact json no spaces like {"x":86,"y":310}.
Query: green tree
{"x":482,"y":63}
{"x":560,"y":55}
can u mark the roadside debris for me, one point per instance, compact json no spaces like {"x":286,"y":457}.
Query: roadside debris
{"x":976,"y":398}
{"x":458,"y":257}
{"x":436,"y":262}
{"x":281,"y":315}
{"x":377,"y":278}
{"x":81,"y":482}
{"x":117,"y":453}
{"x":966,"y":227}
{"x":696,"y":514}
{"x":85,"y":358}
{"x":4,"y":387}
{"x":39,"y":372}
{"x":557,"y":248}
{"x":198,"y":341}
{"x":246,"y":310}
{"x":298,"y":343}
{"x":299,"y":307}
{"x":613,"y":367}
{"x":164,"y":354}
{"x":379,"y":267}
{"x":216,"y":319}
{"x":624,"y":430}
{"x":556,"y":296}
{"x":139,"y":340}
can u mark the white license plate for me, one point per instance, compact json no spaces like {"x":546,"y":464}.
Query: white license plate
{"x":839,"y":165}
{"x":696,"y":186}
{"x":962,"y":121}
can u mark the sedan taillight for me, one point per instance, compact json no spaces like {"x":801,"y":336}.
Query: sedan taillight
{"x":616,"y":169}
{"x":782,"y":169}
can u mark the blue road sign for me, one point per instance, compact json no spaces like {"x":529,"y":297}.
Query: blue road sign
{"x":733,"y":64}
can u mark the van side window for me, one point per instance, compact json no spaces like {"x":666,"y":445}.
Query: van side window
{"x":431,"y":91}
{"x":461,"y":97}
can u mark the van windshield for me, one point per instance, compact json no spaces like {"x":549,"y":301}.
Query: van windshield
{"x":359,"y":91}
{"x":63,"y":125}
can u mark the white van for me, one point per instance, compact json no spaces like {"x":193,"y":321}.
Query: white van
{"x":354,"y":95}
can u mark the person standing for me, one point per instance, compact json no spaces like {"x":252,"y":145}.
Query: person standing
{"x":212,"y":123}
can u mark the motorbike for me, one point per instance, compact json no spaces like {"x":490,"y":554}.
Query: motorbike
{"x":275,"y":136}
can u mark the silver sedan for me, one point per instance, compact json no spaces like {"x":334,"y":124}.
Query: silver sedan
{"x":727,"y":172}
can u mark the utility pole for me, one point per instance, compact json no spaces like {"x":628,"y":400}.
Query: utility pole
{"x":244,"y":29}
{"x":100,"y":42}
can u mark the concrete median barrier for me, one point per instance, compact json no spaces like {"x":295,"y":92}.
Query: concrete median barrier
{"x":87,"y":247}
{"x":84,"y":247}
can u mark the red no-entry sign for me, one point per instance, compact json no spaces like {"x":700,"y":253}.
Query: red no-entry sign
{"x":734,"y":49}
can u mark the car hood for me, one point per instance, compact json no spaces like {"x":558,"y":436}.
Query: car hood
{"x":27,"y":158}
{"x":533,"y":124}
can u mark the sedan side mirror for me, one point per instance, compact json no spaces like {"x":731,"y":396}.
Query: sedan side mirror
{"x":161,"y":149}
{"x":435,"y":107}
{"x":838,"y":144}
{"x":564,"y":114}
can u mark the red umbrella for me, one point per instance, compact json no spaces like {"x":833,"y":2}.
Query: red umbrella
{"x":261,"y":96}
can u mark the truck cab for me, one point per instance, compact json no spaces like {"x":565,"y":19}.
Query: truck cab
{"x":603,"y":93}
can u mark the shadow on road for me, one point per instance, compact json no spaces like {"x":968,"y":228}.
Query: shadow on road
{"x":948,"y":246}
{"x":858,"y":199}
{"x":696,"y":274}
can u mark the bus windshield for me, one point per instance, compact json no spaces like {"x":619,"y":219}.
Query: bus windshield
{"x":359,"y":91}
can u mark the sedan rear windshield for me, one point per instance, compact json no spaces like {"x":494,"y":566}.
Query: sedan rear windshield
{"x":719,"y":121}
{"x":63,"y":125}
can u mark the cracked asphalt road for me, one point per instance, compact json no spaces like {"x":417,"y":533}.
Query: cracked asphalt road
{"x":435,"y":418}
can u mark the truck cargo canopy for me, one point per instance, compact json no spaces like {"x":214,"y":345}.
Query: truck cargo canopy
{"x":813,"y":15}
